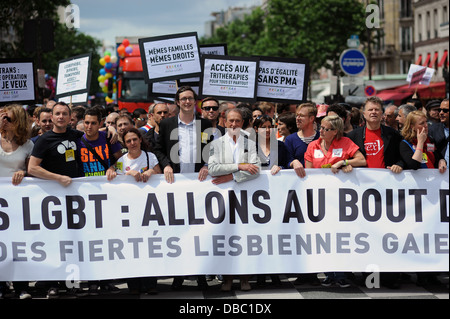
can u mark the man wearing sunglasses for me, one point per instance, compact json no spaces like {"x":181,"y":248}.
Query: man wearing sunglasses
{"x":210,"y":111}
{"x":439,"y":132}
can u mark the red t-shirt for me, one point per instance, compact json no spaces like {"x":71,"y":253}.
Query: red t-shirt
{"x":374,"y":147}
{"x":341,"y":149}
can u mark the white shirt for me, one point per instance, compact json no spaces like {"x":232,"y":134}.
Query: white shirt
{"x":187,"y":139}
{"x":126,"y":164}
{"x":11,"y":162}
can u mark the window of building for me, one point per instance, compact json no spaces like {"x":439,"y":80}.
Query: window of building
{"x":405,"y":9}
{"x":406,"y":39}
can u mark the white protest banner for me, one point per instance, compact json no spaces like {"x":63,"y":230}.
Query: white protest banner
{"x":273,"y":224}
{"x":73,"y":75}
{"x":229,"y":78}
{"x":170,"y":57}
{"x":426,"y":78}
{"x":283,"y":80}
{"x":16,"y":80}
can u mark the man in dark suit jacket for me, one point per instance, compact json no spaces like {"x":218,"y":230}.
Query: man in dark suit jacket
{"x":183,"y":139}
{"x":183,"y":147}
{"x":439,"y":131}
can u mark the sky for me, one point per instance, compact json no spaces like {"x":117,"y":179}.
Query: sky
{"x":105,"y":20}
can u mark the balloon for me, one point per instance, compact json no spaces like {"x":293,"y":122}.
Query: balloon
{"x":105,"y":89}
{"x":101,"y":84}
{"x":125,"y":42}
{"x":106,"y":82}
{"x":107,"y":58}
{"x":108,"y":75}
{"x":101,"y":78}
{"x":102,"y":71}
{"x":121,"y":50}
{"x":108,"y":65}
{"x":102,"y":61}
{"x":107,"y":53}
{"x":129,"y":49}
{"x":113,"y":59}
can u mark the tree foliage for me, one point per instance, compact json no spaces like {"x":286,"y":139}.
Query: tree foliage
{"x":68,"y":42}
{"x":314,"y":29}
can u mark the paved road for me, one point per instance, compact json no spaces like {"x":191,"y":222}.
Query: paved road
{"x":287,"y":290}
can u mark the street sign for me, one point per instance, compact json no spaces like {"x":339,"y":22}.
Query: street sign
{"x":369,"y":90}
{"x":352,"y":62}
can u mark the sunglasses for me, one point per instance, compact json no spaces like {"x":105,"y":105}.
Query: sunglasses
{"x":209,"y":108}
{"x":443,"y":110}
{"x":8,"y":119}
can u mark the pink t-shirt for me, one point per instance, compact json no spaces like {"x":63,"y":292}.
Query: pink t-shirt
{"x":341,"y":149}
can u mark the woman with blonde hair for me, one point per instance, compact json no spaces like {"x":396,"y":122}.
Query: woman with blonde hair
{"x":15,"y":151}
{"x":334,"y":150}
{"x":417,"y":149}
{"x":15,"y":146}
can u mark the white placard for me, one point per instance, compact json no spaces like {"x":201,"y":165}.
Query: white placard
{"x":170,"y":57}
{"x":16,"y":81}
{"x":282,"y":81}
{"x":229,"y":78}
{"x":426,"y":79}
{"x":73,"y":75}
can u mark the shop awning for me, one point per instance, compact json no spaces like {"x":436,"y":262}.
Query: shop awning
{"x":444,"y":57}
{"x":433,"y":61}
{"x":427,"y":60}
{"x":393,"y":95}
{"x":436,"y":90}
{"x":419,"y":59}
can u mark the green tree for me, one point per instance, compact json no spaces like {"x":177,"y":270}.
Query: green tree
{"x":68,"y":42}
{"x":313,"y":29}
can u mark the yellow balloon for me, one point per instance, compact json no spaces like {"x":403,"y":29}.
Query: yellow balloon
{"x":102,"y":61}
{"x":108,"y":75}
{"x":105,"y":89}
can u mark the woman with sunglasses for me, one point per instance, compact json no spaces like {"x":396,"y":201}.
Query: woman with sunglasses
{"x":334,"y":150}
{"x":15,"y":151}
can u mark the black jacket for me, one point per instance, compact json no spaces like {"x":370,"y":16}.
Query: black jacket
{"x":391,"y":139}
{"x":436,"y":132}
{"x":166,"y":147}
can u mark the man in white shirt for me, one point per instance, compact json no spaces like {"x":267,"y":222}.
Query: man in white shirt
{"x":234,"y":155}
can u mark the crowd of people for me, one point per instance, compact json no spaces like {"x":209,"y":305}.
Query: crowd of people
{"x":225,"y":140}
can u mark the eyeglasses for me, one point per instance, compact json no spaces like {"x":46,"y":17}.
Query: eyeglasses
{"x":327,"y":129}
{"x":209,"y":108}
{"x":443,"y":110}
{"x":162,"y":112}
{"x":187,"y":99}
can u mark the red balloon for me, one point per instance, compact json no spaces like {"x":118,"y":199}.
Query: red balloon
{"x":125,"y":42}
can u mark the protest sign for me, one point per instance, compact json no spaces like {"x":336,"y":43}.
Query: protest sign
{"x":163,"y":89}
{"x":74,"y":76}
{"x":229,"y":78}
{"x":273,"y":224}
{"x":212,"y":49}
{"x":282,"y":80}
{"x":170,"y":57}
{"x":16,"y":80}
{"x":426,"y":76}
{"x":75,"y":99}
